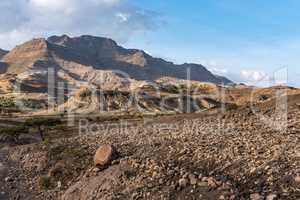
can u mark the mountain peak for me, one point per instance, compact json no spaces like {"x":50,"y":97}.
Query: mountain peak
{"x":26,"y":55}
{"x":60,"y":40}
{"x":84,"y":40}
{"x":34,"y":45}
{"x":33,"y":48}
{"x":64,"y":52}
{"x":90,"y":46}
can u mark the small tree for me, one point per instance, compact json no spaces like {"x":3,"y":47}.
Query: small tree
{"x":40,"y":124}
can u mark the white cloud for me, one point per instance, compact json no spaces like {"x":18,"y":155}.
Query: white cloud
{"x":21,"y":20}
{"x":50,"y":4}
{"x":218,"y":70}
{"x":214,"y":67}
{"x":9,"y":39}
{"x":255,"y":77}
{"x":252,"y":75}
{"x":124,"y":17}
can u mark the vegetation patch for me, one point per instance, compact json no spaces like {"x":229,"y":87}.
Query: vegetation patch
{"x":173,"y":89}
{"x":12,"y":134}
{"x":66,"y":162}
{"x":45,"y":183}
{"x":6,"y":102}
{"x":231,"y":107}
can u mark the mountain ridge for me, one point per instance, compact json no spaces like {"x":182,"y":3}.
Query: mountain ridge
{"x":78,"y":56}
{"x":153,"y":68}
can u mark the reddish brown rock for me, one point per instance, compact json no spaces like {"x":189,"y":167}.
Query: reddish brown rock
{"x":103,"y":156}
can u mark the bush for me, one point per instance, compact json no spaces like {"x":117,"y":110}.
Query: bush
{"x":42,"y":122}
{"x":204,"y":89}
{"x":44,"y":183}
{"x":11,"y":134}
{"x":83,"y":93}
{"x":7,"y":102}
{"x":232,"y":106}
{"x":33,"y":104}
{"x":169,"y":88}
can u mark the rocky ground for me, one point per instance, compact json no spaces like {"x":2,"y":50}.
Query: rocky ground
{"x":234,"y":155}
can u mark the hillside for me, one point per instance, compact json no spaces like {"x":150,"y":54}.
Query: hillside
{"x":231,"y":155}
{"x":83,"y":58}
{"x":103,"y":53}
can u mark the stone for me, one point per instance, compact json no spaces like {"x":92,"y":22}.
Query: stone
{"x":154,"y":174}
{"x":183,"y":182}
{"x":96,"y":169}
{"x":202,"y":184}
{"x":255,"y":196}
{"x":297,"y":179}
{"x":103,"y":156}
{"x":222,"y":197}
{"x":115,"y":162}
{"x":59,"y":184}
{"x":271,"y":197}
{"x":8,"y":179}
{"x":193,"y":179}
{"x":161,"y":181}
{"x":211,"y":182}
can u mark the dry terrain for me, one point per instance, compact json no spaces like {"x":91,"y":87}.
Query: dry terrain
{"x":231,"y":155}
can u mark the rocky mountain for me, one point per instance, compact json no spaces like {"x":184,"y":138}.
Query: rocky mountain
{"x":2,"y":53}
{"x":103,"y":53}
{"x":89,"y":58}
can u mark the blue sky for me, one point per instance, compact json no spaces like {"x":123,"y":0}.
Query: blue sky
{"x":247,"y":41}
{"x":234,"y":38}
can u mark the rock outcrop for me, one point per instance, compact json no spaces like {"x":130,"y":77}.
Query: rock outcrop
{"x":87,"y":58}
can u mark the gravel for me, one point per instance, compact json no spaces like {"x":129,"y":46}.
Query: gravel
{"x":236,"y":155}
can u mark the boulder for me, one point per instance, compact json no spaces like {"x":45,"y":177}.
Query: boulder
{"x":256,"y":196}
{"x":103,"y":156}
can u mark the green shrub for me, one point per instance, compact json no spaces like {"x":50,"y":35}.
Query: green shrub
{"x":169,"y":88}
{"x":33,"y":104}
{"x":6,"y":102}
{"x":232,"y":106}
{"x":42,"y":122}
{"x":44,"y":183}
{"x":12,"y":133}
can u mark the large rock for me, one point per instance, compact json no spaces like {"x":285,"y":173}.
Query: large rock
{"x":103,"y":156}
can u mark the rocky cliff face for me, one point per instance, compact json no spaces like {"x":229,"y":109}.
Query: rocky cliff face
{"x":26,"y":56}
{"x":87,"y":58}
{"x":103,"y":53}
